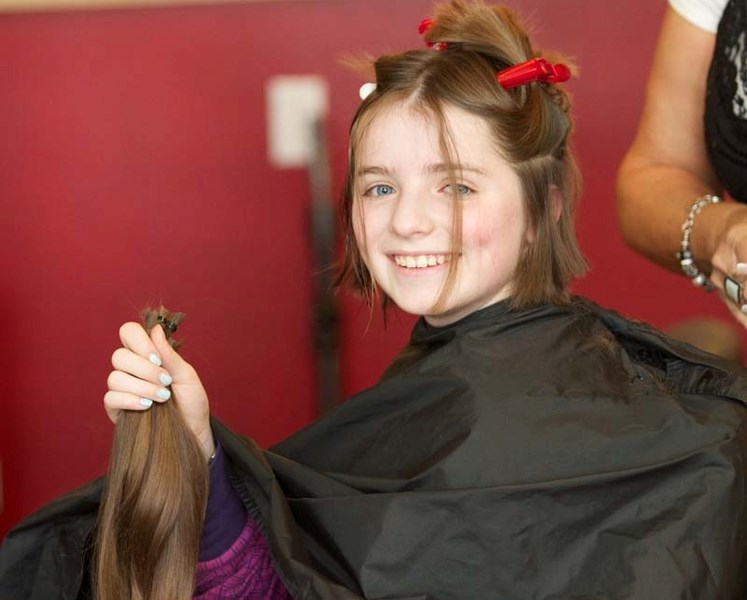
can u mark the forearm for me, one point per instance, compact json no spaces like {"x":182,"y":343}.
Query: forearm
{"x":654,"y":201}
{"x":667,"y":169}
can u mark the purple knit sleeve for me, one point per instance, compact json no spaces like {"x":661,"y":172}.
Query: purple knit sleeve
{"x":244,"y":572}
{"x":225,"y":515}
{"x":234,"y":561}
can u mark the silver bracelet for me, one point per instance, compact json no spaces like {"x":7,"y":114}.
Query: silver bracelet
{"x":685,"y":255}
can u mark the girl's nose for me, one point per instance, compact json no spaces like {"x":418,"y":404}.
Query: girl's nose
{"x":410,"y":216}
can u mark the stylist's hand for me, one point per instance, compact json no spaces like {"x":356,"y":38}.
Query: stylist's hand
{"x":143,"y":368}
{"x":731,"y":250}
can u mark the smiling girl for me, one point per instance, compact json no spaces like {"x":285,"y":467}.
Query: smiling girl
{"x":525,"y":444}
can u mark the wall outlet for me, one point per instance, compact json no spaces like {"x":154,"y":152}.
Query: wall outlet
{"x":295,"y":104}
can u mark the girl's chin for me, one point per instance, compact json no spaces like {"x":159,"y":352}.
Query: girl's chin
{"x":414,"y":307}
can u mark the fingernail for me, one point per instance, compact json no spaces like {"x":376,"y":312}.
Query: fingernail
{"x":146,"y":402}
{"x":741,"y":268}
{"x":744,"y":308}
{"x":165,"y":379}
{"x":163,"y":393}
{"x":155,"y":359}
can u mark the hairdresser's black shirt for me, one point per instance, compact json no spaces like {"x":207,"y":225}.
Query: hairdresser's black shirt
{"x":726,"y":101}
{"x":552,"y":453}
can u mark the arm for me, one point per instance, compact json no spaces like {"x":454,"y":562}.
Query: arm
{"x":667,"y":167}
{"x":234,"y":559}
{"x":225,"y":515}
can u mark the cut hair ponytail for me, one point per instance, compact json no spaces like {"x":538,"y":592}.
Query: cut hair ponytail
{"x":151,"y":517}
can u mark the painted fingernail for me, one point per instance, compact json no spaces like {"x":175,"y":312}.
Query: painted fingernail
{"x":163,"y":393}
{"x":155,"y":359}
{"x":146,"y":402}
{"x":741,"y":268}
{"x":165,"y":379}
{"x":744,"y":308}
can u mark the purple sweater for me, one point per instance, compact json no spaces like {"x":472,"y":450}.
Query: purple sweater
{"x":234,"y":561}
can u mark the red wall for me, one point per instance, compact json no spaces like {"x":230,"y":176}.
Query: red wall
{"x":133,"y":169}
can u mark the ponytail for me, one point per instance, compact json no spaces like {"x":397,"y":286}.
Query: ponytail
{"x":150,"y":520}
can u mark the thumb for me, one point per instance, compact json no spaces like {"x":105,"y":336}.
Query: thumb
{"x":177,"y":367}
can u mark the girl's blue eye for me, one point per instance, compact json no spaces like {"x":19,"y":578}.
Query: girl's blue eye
{"x":380,"y":190}
{"x":462,"y":190}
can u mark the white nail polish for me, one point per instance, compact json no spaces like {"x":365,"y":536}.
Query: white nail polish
{"x":146,"y":402}
{"x":155,"y":359}
{"x":741,"y":268}
{"x":165,"y":379}
{"x":163,"y":393}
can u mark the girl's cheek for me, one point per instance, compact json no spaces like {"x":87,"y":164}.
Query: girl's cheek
{"x":477,"y":232}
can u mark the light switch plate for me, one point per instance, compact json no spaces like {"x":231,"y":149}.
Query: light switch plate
{"x":295,"y":103}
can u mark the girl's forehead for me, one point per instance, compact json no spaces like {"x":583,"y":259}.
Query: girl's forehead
{"x":403,"y":131}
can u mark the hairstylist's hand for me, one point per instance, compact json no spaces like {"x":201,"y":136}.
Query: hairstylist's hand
{"x":730,"y":251}
{"x":143,"y":369}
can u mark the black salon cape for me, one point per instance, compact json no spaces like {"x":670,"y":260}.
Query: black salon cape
{"x":554,"y":453}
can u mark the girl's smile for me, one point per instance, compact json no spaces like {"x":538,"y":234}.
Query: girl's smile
{"x":420,"y":261}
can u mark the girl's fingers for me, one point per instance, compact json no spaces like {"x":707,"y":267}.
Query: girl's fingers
{"x":115,"y":402}
{"x":135,"y":338}
{"x":134,"y":364}
{"x":120,"y":381}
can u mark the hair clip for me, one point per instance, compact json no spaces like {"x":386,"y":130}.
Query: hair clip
{"x":366,"y":90}
{"x":536,"y":69}
{"x":424,"y":26}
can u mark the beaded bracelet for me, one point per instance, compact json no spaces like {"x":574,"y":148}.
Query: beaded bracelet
{"x":685,"y":255}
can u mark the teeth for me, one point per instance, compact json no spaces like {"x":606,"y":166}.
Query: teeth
{"x":420,"y":262}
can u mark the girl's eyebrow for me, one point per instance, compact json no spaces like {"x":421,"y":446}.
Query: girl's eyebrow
{"x":373,"y":171}
{"x":458,"y":168}
{"x":432,"y":168}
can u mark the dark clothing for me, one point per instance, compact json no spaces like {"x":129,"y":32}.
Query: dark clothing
{"x":551,"y":453}
{"x":225,"y":515}
{"x":726,"y":102}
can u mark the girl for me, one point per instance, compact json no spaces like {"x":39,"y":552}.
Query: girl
{"x":525,"y":444}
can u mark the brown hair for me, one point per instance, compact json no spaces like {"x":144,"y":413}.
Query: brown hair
{"x":151,"y":517}
{"x":530,"y":126}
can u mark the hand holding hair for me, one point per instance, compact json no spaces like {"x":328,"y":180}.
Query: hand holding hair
{"x":144,"y":368}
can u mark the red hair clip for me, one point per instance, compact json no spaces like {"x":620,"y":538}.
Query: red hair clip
{"x":424,"y":26}
{"x":536,"y":69}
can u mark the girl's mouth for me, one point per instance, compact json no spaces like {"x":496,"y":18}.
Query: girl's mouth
{"x":420,"y":261}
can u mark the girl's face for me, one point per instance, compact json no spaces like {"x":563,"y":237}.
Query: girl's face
{"x":403,"y":221}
